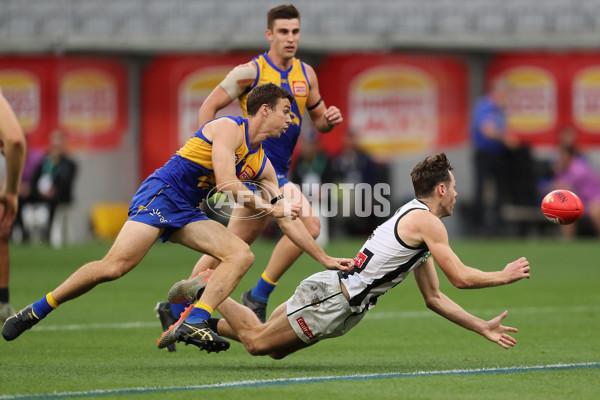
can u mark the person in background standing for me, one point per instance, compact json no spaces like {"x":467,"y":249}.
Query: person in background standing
{"x":52,"y":182}
{"x":491,"y":144}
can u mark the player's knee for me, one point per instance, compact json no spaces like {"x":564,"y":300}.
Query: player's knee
{"x":313,"y":226}
{"x":254,"y":349}
{"x":242,"y":256}
{"x":254,"y":345}
{"x":251,"y":347}
{"x":277,"y":356}
{"x":112,"y":271}
{"x":246,"y":256}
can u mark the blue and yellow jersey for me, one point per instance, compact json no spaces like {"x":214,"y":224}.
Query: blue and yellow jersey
{"x":295,"y":81}
{"x":190,"y":171}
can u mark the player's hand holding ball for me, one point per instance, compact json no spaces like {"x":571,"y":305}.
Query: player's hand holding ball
{"x":562,"y":207}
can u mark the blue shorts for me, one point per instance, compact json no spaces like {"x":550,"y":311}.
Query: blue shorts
{"x":282,"y":179}
{"x":157,"y":204}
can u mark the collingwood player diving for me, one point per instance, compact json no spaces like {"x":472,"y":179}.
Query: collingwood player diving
{"x":330,"y":303}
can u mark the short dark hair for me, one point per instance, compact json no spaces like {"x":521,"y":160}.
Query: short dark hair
{"x":268,"y":94}
{"x":429,"y":173}
{"x":283,"y":11}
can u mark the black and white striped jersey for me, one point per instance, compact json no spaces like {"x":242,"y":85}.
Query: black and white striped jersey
{"x":383,"y":262}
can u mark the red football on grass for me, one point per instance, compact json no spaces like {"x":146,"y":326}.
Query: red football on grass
{"x":562,"y":207}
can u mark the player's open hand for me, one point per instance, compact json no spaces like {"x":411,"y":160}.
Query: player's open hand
{"x":496,"y":332}
{"x":516,"y":270}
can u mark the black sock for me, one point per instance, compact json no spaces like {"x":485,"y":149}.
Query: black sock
{"x":212,"y":324}
{"x":4,"y":295}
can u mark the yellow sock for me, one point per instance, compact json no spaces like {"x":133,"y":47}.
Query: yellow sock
{"x":266,"y":278}
{"x":205,"y":307}
{"x":51,"y":301}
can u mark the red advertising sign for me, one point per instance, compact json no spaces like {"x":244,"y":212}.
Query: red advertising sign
{"x":26,"y":84}
{"x":174,"y":88}
{"x":396,"y":103}
{"x":85,"y":97}
{"x":583,"y":76}
{"x":92,"y":102}
{"x":535,"y":107}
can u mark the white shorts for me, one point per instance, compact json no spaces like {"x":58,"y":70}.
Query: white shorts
{"x":318,"y":309}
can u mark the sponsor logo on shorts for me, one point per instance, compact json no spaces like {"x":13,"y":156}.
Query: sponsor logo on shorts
{"x":305,"y":328}
{"x":157,"y":213}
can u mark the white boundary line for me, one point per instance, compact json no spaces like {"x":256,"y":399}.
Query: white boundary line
{"x":301,"y":380}
{"x":370,"y":315}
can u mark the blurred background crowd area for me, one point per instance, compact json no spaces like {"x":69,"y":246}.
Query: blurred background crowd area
{"x":124,"y":79}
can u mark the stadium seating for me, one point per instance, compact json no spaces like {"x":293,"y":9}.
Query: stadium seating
{"x":179,"y":25}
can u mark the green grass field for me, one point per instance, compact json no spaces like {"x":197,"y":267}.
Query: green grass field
{"x":104,"y":343}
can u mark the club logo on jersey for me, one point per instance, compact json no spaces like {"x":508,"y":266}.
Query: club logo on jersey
{"x":300,"y":88}
{"x":305,"y":328}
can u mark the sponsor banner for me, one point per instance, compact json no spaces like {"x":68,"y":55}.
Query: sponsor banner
{"x":191,"y":93}
{"x":26,"y":84}
{"x":85,"y":97}
{"x":92,"y":102}
{"x":174,"y":88}
{"x":396,"y":104}
{"x":583,"y":75}
{"x":535,"y":107}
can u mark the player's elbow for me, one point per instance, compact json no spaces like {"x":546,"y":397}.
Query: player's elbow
{"x":432,"y":301}
{"x":461,"y":282}
{"x":313,"y":225}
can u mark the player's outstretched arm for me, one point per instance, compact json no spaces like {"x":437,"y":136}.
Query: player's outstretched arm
{"x":428,"y":284}
{"x":463,"y":277}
